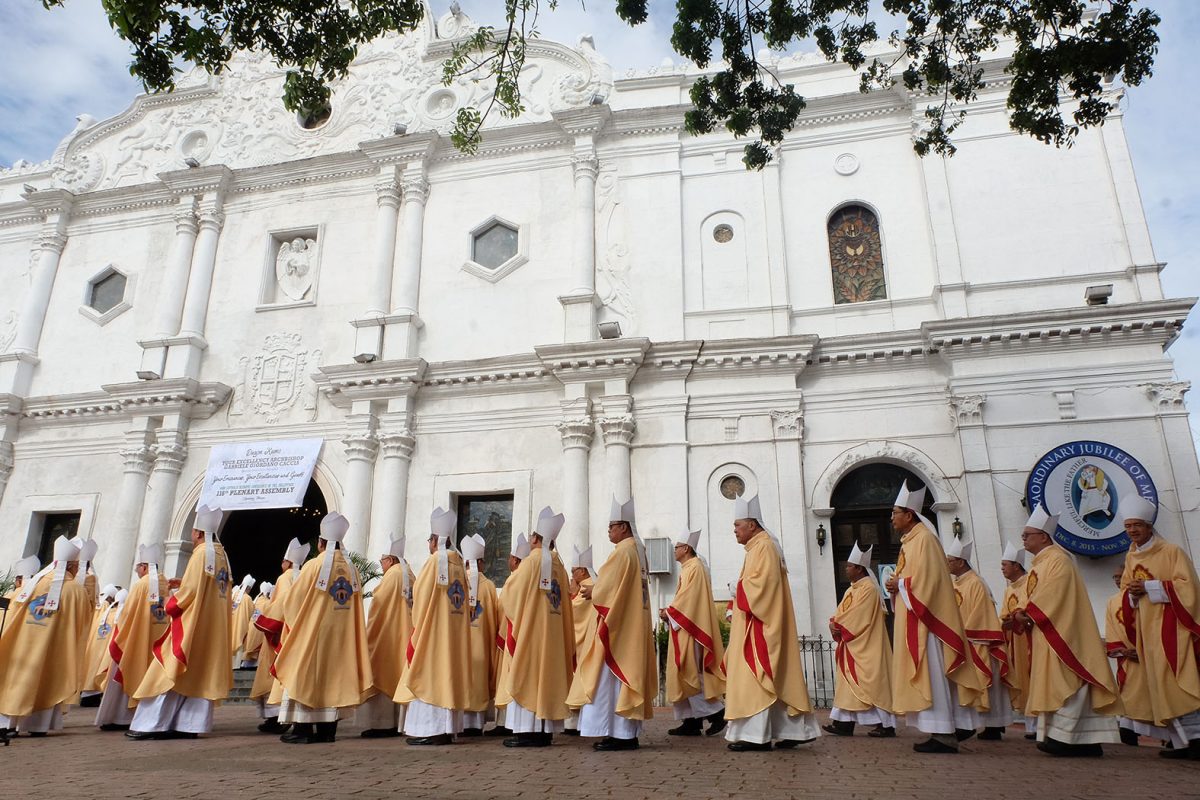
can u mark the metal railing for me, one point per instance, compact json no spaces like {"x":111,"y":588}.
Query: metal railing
{"x":820,"y":668}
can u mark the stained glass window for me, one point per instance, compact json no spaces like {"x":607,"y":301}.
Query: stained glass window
{"x":856,"y":255}
{"x":491,"y":517}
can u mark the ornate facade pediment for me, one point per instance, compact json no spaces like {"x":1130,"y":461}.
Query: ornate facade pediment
{"x":238,"y":119}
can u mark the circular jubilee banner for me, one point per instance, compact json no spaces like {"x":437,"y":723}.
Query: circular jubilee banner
{"x":1083,"y":482}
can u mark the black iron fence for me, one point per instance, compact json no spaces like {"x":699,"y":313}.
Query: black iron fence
{"x":820,"y":668}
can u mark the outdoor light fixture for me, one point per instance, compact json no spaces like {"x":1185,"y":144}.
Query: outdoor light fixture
{"x":609,"y":330}
{"x":1098,"y":295}
{"x":399,"y":129}
{"x":821,"y":537}
{"x":958,"y":528}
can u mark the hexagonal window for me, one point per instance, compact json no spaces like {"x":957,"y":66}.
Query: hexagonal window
{"x":107,"y":295}
{"x":497,"y":247}
{"x":494,"y":245}
{"x":106,"y":292}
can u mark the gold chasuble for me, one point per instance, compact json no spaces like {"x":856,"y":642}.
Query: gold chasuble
{"x":96,"y":658}
{"x":586,"y":620}
{"x":1168,"y":634}
{"x":324,"y":662}
{"x":539,"y":638}
{"x":624,"y":640}
{"x":437,"y":671}
{"x":1017,"y":643}
{"x":270,"y":623}
{"x":692,"y":610}
{"x":388,"y":630}
{"x":193,"y":657}
{"x":864,"y":652}
{"x":763,"y":665}
{"x":1120,"y":634}
{"x":140,"y":625}
{"x":1067,"y":652}
{"x":252,"y":647}
{"x":922,"y":575}
{"x":40,"y":652}
{"x":481,"y":647}
{"x":981,"y":624}
{"x":502,"y":697}
{"x":239,"y":624}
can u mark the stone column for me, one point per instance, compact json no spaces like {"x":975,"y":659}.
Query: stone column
{"x":583,"y":223}
{"x":169,"y":312}
{"x":361,"y":447}
{"x":170,"y":453}
{"x":396,"y":447}
{"x":807,"y":571}
{"x":387,"y":200}
{"x":49,"y":248}
{"x":204,"y":260}
{"x":1168,"y":399}
{"x":120,"y":538}
{"x":412,"y":216}
{"x":6,"y":465}
{"x":981,"y":512}
{"x":576,"y":430}
{"x":618,"y":427}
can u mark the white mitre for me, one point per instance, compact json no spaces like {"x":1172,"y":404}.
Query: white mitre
{"x":957,"y":548}
{"x":1138,"y":508}
{"x":1042,"y":520}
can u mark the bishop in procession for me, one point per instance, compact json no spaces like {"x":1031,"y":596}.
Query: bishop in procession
{"x":389,"y":626}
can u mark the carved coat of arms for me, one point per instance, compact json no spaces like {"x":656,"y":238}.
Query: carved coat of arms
{"x":275,"y":379}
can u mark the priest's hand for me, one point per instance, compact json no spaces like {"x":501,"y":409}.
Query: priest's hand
{"x":586,"y":591}
{"x":892,"y":585}
{"x":662,"y":614}
{"x":1022,"y":620}
{"x":1137,"y":588}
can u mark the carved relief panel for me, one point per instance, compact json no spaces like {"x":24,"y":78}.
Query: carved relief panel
{"x":274,"y":383}
{"x":290,"y":273}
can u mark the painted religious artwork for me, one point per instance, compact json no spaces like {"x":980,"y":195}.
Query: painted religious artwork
{"x":856,"y":256}
{"x":491,"y":517}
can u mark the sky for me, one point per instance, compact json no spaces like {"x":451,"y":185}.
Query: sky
{"x":58,"y":63}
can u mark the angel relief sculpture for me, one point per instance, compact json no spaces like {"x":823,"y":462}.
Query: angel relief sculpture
{"x":295,"y":264}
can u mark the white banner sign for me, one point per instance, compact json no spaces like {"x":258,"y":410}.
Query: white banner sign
{"x":259,"y":474}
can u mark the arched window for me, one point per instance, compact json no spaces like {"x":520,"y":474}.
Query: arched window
{"x":856,"y":255}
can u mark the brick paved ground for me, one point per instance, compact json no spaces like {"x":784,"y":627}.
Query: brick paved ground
{"x":236,"y":761}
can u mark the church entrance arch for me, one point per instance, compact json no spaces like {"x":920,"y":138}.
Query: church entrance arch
{"x":255,"y":539}
{"x":862,"y":507}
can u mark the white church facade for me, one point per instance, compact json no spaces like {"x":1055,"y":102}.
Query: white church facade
{"x":207,"y":269}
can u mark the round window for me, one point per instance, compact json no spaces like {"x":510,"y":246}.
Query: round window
{"x":732,"y":487}
{"x":723,"y":233}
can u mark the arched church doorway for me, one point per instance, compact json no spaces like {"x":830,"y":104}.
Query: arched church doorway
{"x":255,"y":540}
{"x":862,"y":503}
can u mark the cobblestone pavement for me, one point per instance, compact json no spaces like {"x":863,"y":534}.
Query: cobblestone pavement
{"x":237,"y":761}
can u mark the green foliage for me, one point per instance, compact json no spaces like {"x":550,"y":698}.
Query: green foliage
{"x":368,"y":570}
{"x":1062,"y":50}
{"x":8,"y":582}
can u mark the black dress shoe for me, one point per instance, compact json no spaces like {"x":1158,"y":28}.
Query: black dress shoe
{"x":499,"y":730}
{"x":179,"y":735}
{"x":788,"y":744}
{"x":1087,"y":751}
{"x":1129,"y":736}
{"x":1031,"y":736}
{"x":571,"y":732}
{"x":1053,"y":747}
{"x":528,"y":740}
{"x":748,"y":747}
{"x":962,"y":734}
{"x":932,"y":745}
{"x":610,"y":743}
{"x":1181,"y":753}
{"x":272,"y":725}
{"x":994,"y":734}
{"x":471,"y":732}
{"x":112,"y":726}
{"x":839,"y":728}
{"x":716,"y":723}
{"x":882,"y":732}
{"x":292,"y":738}
{"x":379,"y":733}
{"x":430,"y":741}
{"x":690,"y":727}
{"x":143,"y":736}
{"x":36,"y":734}
{"x":300,"y":734}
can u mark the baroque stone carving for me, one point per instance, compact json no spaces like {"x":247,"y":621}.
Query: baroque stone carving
{"x":1066,"y":404}
{"x":787,"y":424}
{"x":618,"y":429}
{"x":275,"y":380}
{"x":576,"y":432}
{"x":237,"y":118}
{"x":295,"y":265}
{"x":612,"y":254}
{"x":1168,"y":396}
{"x":8,"y":330}
{"x":398,"y":444}
{"x":967,"y":409}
